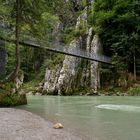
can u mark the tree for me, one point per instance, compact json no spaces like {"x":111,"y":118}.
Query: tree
{"x":17,"y":34}
{"x":118,"y":24}
{"x":24,"y":16}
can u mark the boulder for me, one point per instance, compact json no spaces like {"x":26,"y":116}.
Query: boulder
{"x":58,"y":126}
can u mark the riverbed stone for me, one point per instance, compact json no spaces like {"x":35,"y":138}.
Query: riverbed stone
{"x":58,"y":126}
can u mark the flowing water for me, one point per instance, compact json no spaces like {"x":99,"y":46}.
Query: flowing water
{"x":93,"y":118}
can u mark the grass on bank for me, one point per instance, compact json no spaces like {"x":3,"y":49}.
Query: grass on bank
{"x":134,"y":91}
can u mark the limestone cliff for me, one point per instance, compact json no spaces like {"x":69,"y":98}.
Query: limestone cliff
{"x":76,"y":73}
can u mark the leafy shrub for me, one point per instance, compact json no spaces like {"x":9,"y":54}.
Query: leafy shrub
{"x":68,"y":35}
{"x":79,"y":32}
{"x":7,"y":99}
{"x":134,"y":91}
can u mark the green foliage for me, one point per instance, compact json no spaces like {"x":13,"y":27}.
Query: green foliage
{"x":12,"y":99}
{"x":117,"y":22}
{"x":6,"y":87}
{"x":35,"y":78}
{"x":8,"y":99}
{"x":11,"y":59}
{"x":68,"y":11}
{"x":32,"y":84}
{"x":71,"y":33}
{"x":81,"y":30}
{"x":68,"y":34}
{"x":53,"y":61}
{"x":108,"y":75}
{"x":134,"y":91}
{"x":118,"y":63}
{"x":38,"y":19}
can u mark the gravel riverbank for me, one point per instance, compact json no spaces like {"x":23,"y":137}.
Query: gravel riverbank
{"x":16,"y":124}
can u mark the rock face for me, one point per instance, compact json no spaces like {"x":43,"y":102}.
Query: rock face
{"x":94,"y":67}
{"x":51,"y":79}
{"x":19,"y":79}
{"x":76,"y":73}
{"x":68,"y":70}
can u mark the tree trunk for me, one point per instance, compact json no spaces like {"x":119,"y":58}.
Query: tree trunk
{"x":17,"y":39}
{"x":17,"y":49}
{"x":135,"y":77}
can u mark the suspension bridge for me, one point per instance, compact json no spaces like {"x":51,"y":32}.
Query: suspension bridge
{"x":72,"y":51}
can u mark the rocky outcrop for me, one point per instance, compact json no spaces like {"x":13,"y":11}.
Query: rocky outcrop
{"x":68,"y":71}
{"x":61,"y":78}
{"x":94,"y":67}
{"x":18,"y":83}
{"x":19,"y":79}
{"x":76,"y":73}
{"x":51,"y":79}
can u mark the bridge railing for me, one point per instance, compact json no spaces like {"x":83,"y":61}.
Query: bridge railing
{"x":74,"y":51}
{"x":81,"y":53}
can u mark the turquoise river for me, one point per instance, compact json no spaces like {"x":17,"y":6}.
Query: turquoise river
{"x":93,"y":118}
